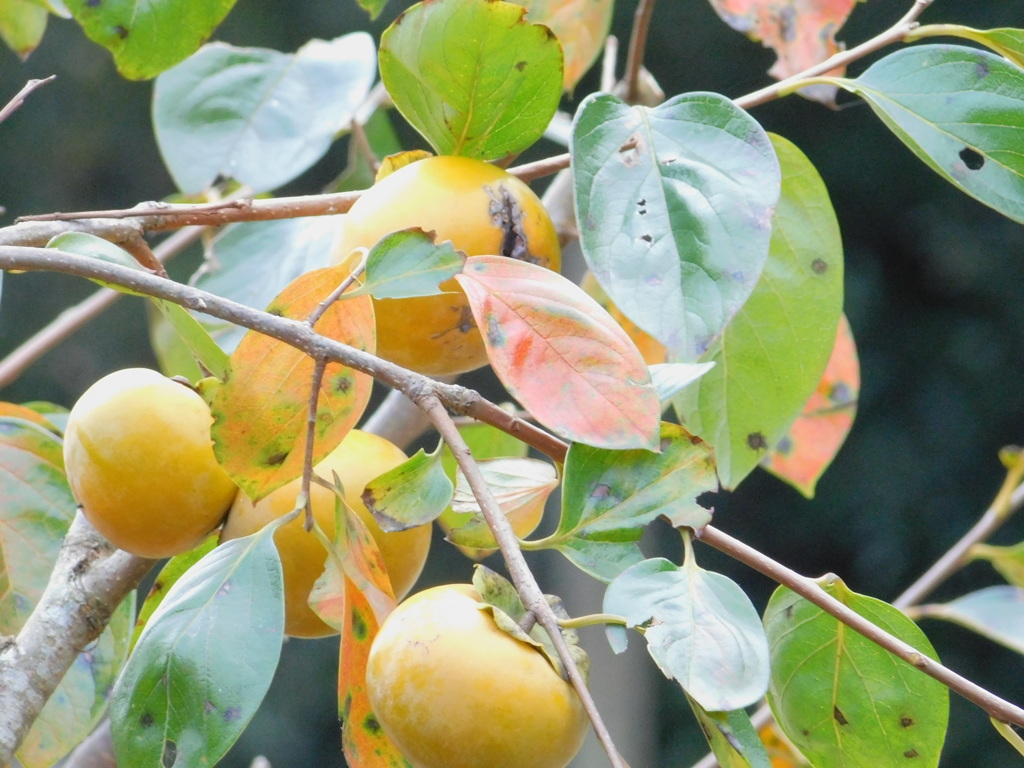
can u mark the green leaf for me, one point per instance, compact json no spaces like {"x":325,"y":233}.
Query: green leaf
{"x":258,"y":116}
{"x":772,"y":354}
{"x":252,"y":263}
{"x":841,"y":699}
{"x":205,"y":659}
{"x":672,"y":378}
{"x":173,"y":570}
{"x":701,"y":629}
{"x":22,"y":25}
{"x":146,"y":38}
{"x":407,"y":263}
{"x":521,"y":487}
{"x":1007,"y":732}
{"x":1005,"y":41}
{"x":413,"y":493}
{"x":372,"y":7}
{"x":609,"y":496}
{"x":676,"y":227}
{"x":80,"y":700}
{"x":84,"y":244}
{"x":731,"y":737}
{"x":472,"y":76}
{"x":560,"y":354}
{"x":36,"y":508}
{"x":961,"y":111}
{"x":1009,"y":561}
{"x":993,"y":612}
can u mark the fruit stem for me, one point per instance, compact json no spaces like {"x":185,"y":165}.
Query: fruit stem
{"x":593,"y":620}
{"x":526,"y":585}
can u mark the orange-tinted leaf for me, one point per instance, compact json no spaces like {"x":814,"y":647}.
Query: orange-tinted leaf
{"x":780,"y":751}
{"x":21,"y":412}
{"x":801,"y":32}
{"x":816,"y":436}
{"x":362,"y":738}
{"x":581,"y":26}
{"x":561,"y":355}
{"x":261,"y":410}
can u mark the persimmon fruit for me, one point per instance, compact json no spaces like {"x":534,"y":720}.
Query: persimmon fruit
{"x":359,"y":458}
{"x":139,"y":460}
{"x":483,"y":211}
{"x":452,"y":690}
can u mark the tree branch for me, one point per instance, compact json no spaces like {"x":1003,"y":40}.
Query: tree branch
{"x":19,"y":98}
{"x":88,"y":582}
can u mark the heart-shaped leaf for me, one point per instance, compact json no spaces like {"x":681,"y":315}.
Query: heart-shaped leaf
{"x":205,"y":659}
{"x":147,"y":38}
{"x":561,"y":355}
{"x":261,"y":410}
{"x":772,"y":354}
{"x":701,"y":629}
{"x":674,"y":206}
{"x":472,"y":76}
{"x":609,"y":496}
{"x":258,"y":116}
{"x":841,"y":699}
{"x":961,"y":111}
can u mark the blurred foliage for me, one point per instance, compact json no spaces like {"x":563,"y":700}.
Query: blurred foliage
{"x":932,"y":283}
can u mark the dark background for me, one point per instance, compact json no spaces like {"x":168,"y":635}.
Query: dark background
{"x":932,"y":292}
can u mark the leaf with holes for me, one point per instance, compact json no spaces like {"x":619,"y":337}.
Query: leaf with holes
{"x":609,"y":496}
{"x":473,"y":77}
{"x":261,"y":410}
{"x":363,"y":740}
{"x":413,"y":493}
{"x":561,"y":355}
{"x":205,"y":659}
{"x":581,"y":27}
{"x":812,"y":442}
{"x":801,"y":32}
{"x":407,"y":263}
{"x":961,"y":111}
{"x":732,"y":738}
{"x":993,"y":612}
{"x":772,"y":354}
{"x":36,"y":508}
{"x":674,"y":206}
{"x":81,"y":699}
{"x":700,"y":627}
{"x":147,"y":38}
{"x":520,"y":486}
{"x":258,"y":116}
{"x":841,"y":699}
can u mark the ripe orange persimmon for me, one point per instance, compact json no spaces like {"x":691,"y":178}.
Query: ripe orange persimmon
{"x":483,"y":211}
{"x":359,"y":458}
{"x":452,"y":690}
{"x":139,"y":459}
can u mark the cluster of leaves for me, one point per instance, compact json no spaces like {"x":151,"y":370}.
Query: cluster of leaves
{"x":709,"y":234}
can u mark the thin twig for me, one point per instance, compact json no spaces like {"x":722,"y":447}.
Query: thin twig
{"x":319,"y":366}
{"x":987,"y":701}
{"x":608,"y":63}
{"x":19,"y":98}
{"x":73,"y":318}
{"x":637,"y":46}
{"x":526,"y":585}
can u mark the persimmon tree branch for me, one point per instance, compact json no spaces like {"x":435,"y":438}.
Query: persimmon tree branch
{"x":637,"y":45}
{"x":526,"y":585}
{"x":88,"y":582}
{"x":19,"y":98}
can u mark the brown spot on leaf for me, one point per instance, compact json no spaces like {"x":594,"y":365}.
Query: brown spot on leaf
{"x":906,"y":722}
{"x":277,"y":459}
{"x":232,"y":714}
{"x":371,"y":724}
{"x":973,"y":159}
{"x":756,"y":441}
{"x":343,"y":383}
{"x":121,"y":31}
{"x":360,"y":630}
{"x":911,"y":753}
{"x":840,"y":718}
{"x":520,"y":65}
{"x":146,"y":720}
{"x":647,"y":238}
{"x":819,"y":266}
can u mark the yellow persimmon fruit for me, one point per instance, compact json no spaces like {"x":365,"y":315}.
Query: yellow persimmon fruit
{"x":139,"y":459}
{"x":357,"y":460}
{"x":452,"y":690}
{"x":483,"y":211}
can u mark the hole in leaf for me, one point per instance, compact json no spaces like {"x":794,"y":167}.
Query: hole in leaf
{"x":840,"y":718}
{"x":146,"y":720}
{"x":170,"y":754}
{"x":231,"y":714}
{"x":906,"y":722}
{"x":972,"y":159}
{"x":756,"y":441}
{"x":647,"y":238}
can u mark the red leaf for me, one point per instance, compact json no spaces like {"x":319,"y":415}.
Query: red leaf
{"x":561,"y":355}
{"x":801,"y":32}
{"x":362,"y":738}
{"x":261,"y":410}
{"x":816,"y":436}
